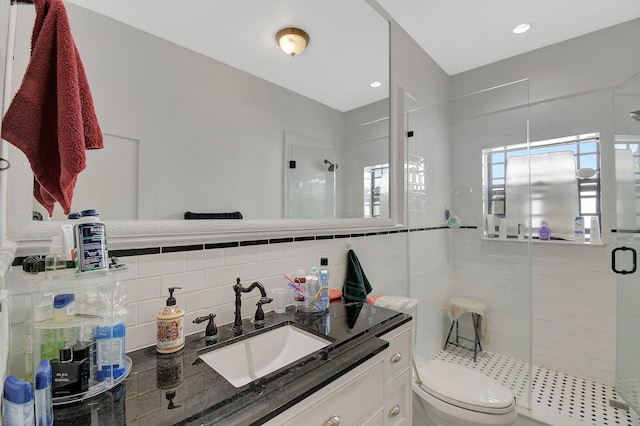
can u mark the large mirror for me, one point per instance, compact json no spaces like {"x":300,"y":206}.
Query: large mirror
{"x":202,"y":112}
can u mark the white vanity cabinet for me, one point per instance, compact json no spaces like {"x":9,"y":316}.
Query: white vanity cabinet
{"x":376,"y":393}
{"x":397,"y":384}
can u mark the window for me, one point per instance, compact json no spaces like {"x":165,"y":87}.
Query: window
{"x":376,"y":190}
{"x":545,"y":193}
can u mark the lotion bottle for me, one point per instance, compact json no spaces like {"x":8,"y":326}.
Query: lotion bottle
{"x":544,"y":233}
{"x":170,"y":326}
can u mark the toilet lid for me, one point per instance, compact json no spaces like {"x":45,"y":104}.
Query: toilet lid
{"x":464,"y":387}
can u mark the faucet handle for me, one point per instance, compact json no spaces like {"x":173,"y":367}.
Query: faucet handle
{"x":258,"y":319}
{"x":212,"y":328}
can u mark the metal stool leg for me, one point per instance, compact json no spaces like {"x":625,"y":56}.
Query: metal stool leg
{"x":446,"y":342}
{"x":476,"y":343}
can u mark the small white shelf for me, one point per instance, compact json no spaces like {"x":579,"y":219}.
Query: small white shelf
{"x":536,"y":241}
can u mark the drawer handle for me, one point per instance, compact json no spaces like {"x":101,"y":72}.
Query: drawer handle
{"x":396,"y":357}
{"x":395,"y":410}
{"x":332,"y":421}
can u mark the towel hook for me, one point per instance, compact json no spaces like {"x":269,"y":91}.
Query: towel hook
{"x":4,"y":164}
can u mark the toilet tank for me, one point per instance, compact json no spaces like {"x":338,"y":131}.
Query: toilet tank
{"x":406,"y":305}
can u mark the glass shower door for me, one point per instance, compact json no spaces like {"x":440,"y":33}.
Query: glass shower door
{"x":627,"y":239}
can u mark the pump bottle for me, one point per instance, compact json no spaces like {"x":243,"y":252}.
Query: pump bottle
{"x":170,"y":326}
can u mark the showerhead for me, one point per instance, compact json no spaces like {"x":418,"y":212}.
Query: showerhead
{"x":635,"y":115}
{"x":332,"y":167}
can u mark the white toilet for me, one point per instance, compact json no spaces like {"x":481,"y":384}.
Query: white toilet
{"x":454,"y":395}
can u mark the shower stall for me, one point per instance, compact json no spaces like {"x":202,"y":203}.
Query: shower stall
{"x":561,"y":340}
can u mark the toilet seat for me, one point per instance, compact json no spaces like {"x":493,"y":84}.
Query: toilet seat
{"x":465,"y":388}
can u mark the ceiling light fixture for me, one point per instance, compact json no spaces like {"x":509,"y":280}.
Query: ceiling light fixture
{"x":292,"y":41}
{"x":522,"y":28}
{"x":375,"y":84}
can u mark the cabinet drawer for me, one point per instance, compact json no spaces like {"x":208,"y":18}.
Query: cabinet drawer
{"x":375,"y":419}
{"x":399,"y":352}
{"x":353,"y":398}
{"x":397,"y":407}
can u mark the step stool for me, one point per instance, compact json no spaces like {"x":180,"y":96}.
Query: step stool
{"x":461,"y":305}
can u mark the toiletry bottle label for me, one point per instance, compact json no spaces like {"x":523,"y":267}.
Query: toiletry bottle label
{"x":91,"y":243}
{"x":110,"y":353}
{"x":170,"y":335}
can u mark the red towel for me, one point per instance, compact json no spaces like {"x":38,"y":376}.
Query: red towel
{"x":51,"y":119}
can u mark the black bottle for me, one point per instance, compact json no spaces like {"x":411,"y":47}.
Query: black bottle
{"x":70,"y":377}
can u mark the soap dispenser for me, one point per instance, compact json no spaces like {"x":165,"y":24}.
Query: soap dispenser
{"x":170,"y":326}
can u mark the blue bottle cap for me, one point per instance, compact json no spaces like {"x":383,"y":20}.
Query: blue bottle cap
{"x":43,"y":375}
{"x":62,"y":300}
{"x":90,"y":212}
{"x":17,"y":390}
{"x":73,"y":215}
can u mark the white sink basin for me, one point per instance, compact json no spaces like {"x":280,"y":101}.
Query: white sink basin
{"x":254,"y":357}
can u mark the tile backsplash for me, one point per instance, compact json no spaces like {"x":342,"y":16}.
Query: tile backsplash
{"x":206,"y":277}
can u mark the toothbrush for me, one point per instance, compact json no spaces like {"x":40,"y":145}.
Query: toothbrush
{"x":293,"y":284}
{"x":315,"y":299}
{"x":300,"y":292}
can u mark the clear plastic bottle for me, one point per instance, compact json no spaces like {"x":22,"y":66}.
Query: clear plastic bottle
{"x":323,"y":291}
{"x":312,"y":287}
{"x":110,"y":334}
{"x":55,"y":264}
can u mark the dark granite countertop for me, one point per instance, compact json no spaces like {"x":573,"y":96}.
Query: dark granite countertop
{"x":180,"y":389}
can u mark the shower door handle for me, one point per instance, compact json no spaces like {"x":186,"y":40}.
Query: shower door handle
{"x":633,"y":260}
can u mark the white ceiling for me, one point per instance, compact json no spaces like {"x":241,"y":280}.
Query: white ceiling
{"x":464,"y":34}
{"x":348,"y":46}
{"x":458,"y":34}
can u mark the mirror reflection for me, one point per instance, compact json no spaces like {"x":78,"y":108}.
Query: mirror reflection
{"x":202,"y":112}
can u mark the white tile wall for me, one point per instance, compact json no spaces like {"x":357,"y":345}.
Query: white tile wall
{"x":574,"y":310}
{"x":573,"y":301}
{"x":207,"y":277}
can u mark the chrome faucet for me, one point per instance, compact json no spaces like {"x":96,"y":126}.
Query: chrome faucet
{"x":259,"y":316}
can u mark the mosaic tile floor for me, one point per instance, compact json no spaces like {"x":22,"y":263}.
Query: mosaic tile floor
{"x":580,"y":400}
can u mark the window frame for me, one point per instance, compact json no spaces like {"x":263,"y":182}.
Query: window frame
{"x":495,"y":164}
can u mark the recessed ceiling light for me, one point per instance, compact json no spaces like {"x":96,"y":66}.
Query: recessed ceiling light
{"x":522,"y":28}
{"x":375,"y":84}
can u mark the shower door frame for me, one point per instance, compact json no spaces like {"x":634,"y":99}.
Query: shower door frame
{"x":626,"y":244}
